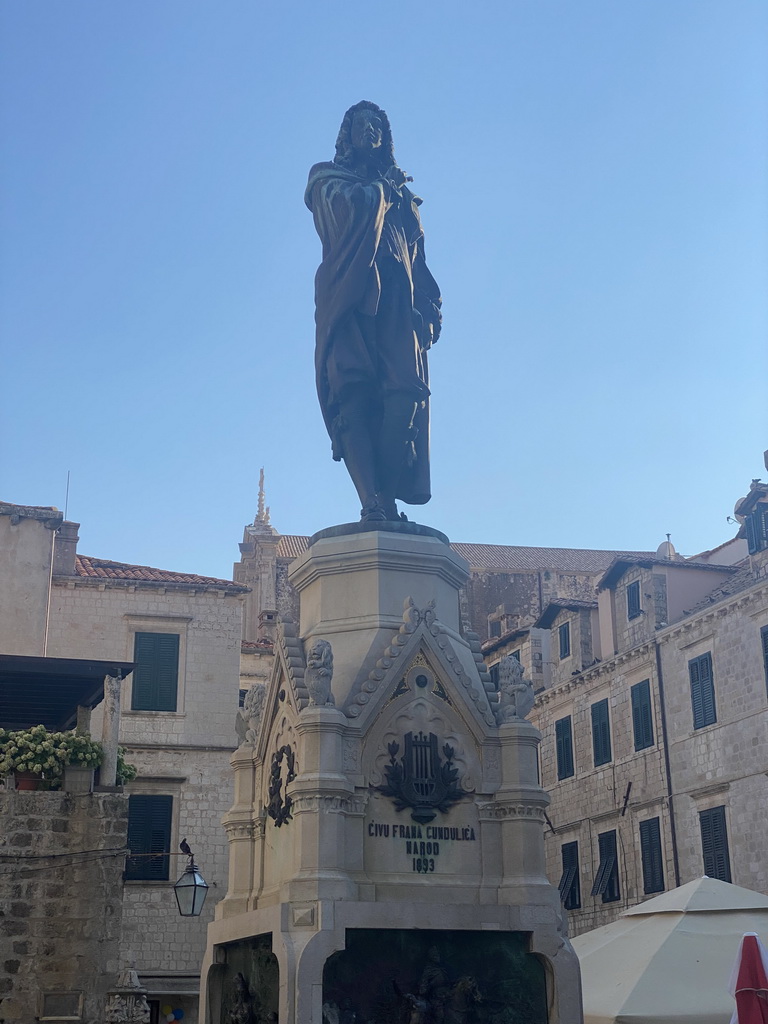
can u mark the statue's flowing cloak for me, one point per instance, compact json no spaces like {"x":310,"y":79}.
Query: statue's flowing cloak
{"x":349,"y":217}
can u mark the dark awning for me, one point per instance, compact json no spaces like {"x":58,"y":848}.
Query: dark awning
{"x":48,"y":691}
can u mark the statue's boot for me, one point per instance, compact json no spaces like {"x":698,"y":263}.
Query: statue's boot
{"x":394,"y":437}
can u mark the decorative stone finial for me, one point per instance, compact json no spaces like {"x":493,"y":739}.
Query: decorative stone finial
{"x":515,"y":692}
{"x":318,"y":674}
{"x":127,"y":1002}
{"x":249,"y":716}
{"x":260,"y":515}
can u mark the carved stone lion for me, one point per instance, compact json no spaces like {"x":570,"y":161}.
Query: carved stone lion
{"x":249,"y":716}
{"x":319,"y":673}
{"x":515,"y":692}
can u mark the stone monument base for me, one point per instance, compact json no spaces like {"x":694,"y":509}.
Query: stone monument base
{"x":386,"y":839}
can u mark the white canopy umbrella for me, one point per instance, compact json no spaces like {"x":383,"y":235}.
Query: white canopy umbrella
{"x":668,"y":960}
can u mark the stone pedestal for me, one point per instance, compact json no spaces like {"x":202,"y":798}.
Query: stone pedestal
{"x":127,"y":1002}
{"x":385,"y":828}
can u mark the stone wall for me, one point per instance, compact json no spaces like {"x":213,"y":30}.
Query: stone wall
{"x":61,"y":889}
{"x":26,"y":549}
{"x":722,"y":764}
{"x":592,"y":801}
{"x":630,"y":632}
{"x":582,"y":648}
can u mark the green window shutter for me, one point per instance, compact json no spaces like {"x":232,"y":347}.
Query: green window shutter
{"x":750,"y":522}
{"x":642,"y":714}
{"x":149,"y":832}
{"x":570,"y":890}
{"x":714,"y":844}
{"x":707,"y":688}
{"x":651,"y":855}
{"x":155,"y":678}
{"x":606,"y":884}
{"x":601,"y":733}
{"x":764,"y":641}
{"x":756,"y":524}
{"x":564,"y":639}
{"x":564,"y":745}
{"x":702,"y":691}
{"x":633,"y":600}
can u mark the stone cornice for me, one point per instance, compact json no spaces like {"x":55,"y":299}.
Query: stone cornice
{"x":594,"y":672}
{"x":500,"y":810}
{"x":106,"y":583}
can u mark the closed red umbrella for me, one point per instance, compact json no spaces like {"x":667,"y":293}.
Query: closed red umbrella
{"x":749,"y":982}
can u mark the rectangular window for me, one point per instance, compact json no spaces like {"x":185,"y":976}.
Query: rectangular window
{"x":570,"y":890}
{"x":642,"y":714}
{"x":494,"y":628}
{"x":650,"y":852}
{"x":702,"y":691}
{"x":516,"y":654}
{"x":633,"y":600}
{"x":606,"y":882}
{"x":564,"y":635}
{"x":714,"y":844}
{"x":564,"y":744}
{"x":601,"y":733}
{"x":149,"y":832}
{"x":764,"y":641}
{"x":155,"y":678}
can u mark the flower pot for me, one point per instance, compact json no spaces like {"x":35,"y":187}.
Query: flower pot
{"x":28,"y":780}
{"x":77,"y":779}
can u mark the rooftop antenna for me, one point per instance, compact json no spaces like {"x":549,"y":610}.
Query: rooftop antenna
{"x":66,"y":497}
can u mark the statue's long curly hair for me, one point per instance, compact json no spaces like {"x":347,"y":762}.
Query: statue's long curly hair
{"x":345,"y":154}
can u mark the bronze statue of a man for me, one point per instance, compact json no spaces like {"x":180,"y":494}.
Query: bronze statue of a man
{"x":377,"y":314}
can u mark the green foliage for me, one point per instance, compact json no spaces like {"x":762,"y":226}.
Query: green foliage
{"x":125,"y":772}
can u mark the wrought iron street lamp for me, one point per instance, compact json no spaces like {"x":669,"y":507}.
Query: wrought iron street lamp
{"x":191,"y":889}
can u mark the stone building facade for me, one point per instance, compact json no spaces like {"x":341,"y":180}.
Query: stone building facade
{"x":654,"y":725}
{"x":177,"y":722}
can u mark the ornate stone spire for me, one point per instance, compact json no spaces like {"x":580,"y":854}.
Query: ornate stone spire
{"x":261,"y":515}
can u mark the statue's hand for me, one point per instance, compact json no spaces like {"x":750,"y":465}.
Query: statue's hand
{"x":396,"y":176}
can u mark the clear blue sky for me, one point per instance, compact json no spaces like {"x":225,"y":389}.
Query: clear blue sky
{"x":594,"y":177}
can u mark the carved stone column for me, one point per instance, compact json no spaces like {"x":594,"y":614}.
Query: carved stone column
{"x":127,"y":1002}
{"x":110,"y":729}
{"x":245,"y":830}
{"x":519,"y":805}
{"x":321,"y":795}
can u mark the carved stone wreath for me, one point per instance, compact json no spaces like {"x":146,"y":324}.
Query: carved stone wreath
{"x":279,"y":806}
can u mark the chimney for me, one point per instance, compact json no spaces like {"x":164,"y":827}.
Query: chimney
{"x":65,"y":549}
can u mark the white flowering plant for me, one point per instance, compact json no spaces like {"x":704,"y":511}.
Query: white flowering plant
{"x":46,"y":753}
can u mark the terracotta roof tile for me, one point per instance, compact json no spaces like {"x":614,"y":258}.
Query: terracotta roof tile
{"x":508,"y":558}
{"x":621,"y":563}
{"x":291,"y":546}
{"x":742,"y":579}
{"x":504,"y":557}
{"x":100,"y":568}
{"x":558,"y":604}
{"x":246,"y":646}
